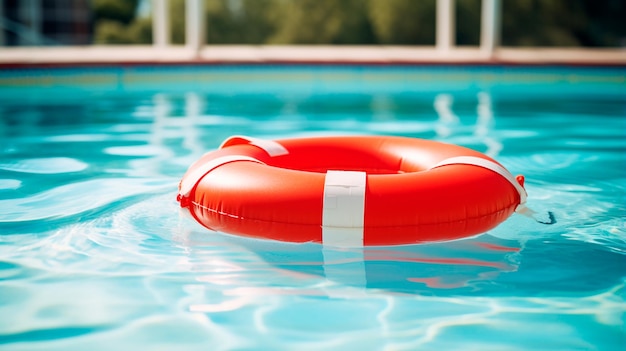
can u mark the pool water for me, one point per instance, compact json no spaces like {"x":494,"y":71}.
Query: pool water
{"x":95,"y":254}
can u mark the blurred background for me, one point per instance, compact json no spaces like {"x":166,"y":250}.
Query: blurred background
{"x":524,"y":23}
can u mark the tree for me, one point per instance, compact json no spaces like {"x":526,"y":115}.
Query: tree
{"x":390,"y":22}
{"x":116,"y":23}
{"x":252,"y":22}
{"x":177,"y":21}
{"x":258,"y":20}
{"x":122,"y":11}
{"x":542,"y":23}
{"x":406,"y":22}
{"x":324,"y":22}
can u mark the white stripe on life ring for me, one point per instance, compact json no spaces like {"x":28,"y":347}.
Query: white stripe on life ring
{"x":343,"y":212}
{"x":492,"y":166}
{"x":270,"y":146}
{"x":190,"y":181}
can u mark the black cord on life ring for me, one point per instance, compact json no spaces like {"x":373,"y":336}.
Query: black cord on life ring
{"x":551,"y":219}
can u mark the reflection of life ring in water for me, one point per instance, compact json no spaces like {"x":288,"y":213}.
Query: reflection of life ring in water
{"x":349,"y":191}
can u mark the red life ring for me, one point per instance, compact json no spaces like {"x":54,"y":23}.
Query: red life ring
{"x":349,"y":191}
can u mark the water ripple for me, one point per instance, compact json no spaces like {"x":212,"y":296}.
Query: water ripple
{"x":49,"y":165}
{"x":10,"y":184}
{"x":79,"y":197}
{"x":94,"y":254}
{"x":47,"y":334}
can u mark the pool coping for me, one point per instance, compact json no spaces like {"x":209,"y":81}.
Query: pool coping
{"x":322,"y":54}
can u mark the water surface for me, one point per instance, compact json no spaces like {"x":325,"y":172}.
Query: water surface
{"x":94,"y":253}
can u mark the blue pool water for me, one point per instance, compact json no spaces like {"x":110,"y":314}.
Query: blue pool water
{"x":94,"y":254}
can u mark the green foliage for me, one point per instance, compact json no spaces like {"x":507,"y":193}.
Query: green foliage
{"x":113,"y":32}
{"x":177,"y":21}
{"x":110,"y":32}
{"x":222,"y":26}
{"x":122,"y":11}
{"x":116,"y":23}
{"x":388,"y":22}
{"x":251,"y":23}
{"x":324,"y":22}
{"x":406,"y":22}
{"x":141,"y":31}
{"x":254,"y":22}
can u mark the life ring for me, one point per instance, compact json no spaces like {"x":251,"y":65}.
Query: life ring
{"x":349,"y":191}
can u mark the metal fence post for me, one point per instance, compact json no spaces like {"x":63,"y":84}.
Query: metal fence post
{"x":194,"y":31}
{"x":160,"y":23}
{"x":490,"y":26}
{"x":445,"y":30}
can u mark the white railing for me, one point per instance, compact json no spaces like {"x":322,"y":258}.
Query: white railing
{"x":160,"y":23}
{"x":196,"y":27}
{"x":445,"y":30}
{"x":197,"y":49}
{"x":490,"y":26}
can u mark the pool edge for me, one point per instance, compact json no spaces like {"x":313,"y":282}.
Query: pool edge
{"x":304,"y":55}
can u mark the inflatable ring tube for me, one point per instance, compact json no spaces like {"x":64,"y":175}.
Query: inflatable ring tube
{"x":349,"y":191}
